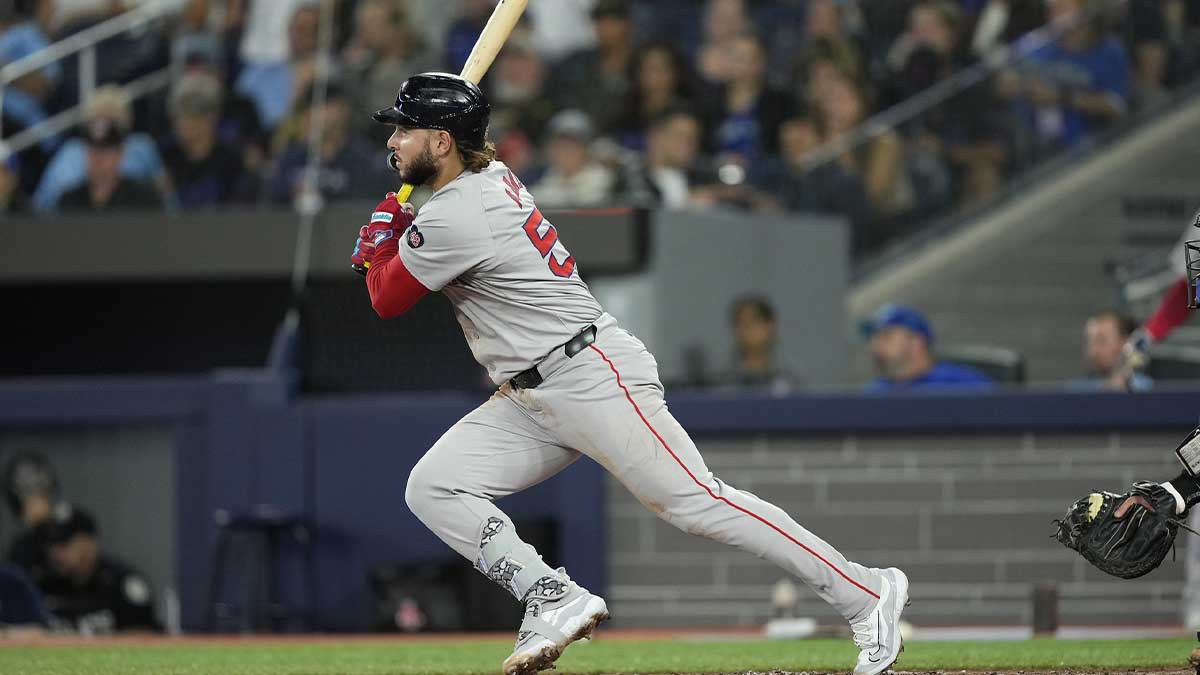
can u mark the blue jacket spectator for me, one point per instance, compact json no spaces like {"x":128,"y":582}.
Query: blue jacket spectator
{"x":901,"y":341}
{"x":24,"y":100}
{"x":1077,"y":84}
{"x":140,"y":159}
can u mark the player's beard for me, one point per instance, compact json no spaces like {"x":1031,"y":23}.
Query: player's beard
{"x":421,"y":169}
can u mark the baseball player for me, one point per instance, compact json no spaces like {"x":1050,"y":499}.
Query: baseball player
{"x":571,"y":383}
{"x":1184,"y":259}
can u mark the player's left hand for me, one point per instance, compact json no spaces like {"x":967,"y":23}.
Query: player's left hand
{"x":389,"y":220}
{"x":364,"y":250}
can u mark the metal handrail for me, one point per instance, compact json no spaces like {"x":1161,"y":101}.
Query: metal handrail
{"x":947,"y":88}
{"x":84,"y":43}
{"x":89,"y":37}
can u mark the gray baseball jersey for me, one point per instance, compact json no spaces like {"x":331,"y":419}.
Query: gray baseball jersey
{"x":517,"y":292}
{"x":515,"y":288}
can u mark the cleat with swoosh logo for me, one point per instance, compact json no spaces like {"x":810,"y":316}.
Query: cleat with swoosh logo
{"x":878,"y":636}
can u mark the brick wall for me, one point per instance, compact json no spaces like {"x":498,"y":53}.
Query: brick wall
{"x":966,"y":516}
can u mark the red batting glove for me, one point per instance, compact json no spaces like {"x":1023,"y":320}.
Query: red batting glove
{"x":379,"y":238}
{"x":364,"y":250}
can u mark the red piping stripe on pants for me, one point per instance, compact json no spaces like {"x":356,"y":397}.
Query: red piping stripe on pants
{"x":753,"y":515}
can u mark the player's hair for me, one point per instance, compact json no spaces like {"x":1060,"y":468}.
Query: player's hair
{"x":477,"y":159}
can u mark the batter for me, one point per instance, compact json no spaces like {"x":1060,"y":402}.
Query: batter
{"x":571,"y":383}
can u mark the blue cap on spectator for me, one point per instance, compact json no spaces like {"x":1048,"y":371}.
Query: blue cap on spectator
{"x":890,"y":315}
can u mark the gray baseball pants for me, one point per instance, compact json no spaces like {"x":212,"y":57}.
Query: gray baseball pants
{"x":607,"y":403}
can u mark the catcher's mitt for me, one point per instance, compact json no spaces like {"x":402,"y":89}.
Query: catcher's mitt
{"x":1124,"y":535}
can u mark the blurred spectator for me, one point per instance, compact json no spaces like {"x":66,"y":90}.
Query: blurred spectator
{"x":592,"y":79}
{"x":203,"y":170}
{"x":901,"y":346}
{"x":724,"y":22}
{"x":97,"y":594}
{"x":822,"y":61}
{"x":961,"y":142}
{"x":997,"y":23}
{"x":31,"y":490}
{"x":561,"y":27}
{"x":843,"y":106}
{"x":658,"y":78}
{"x":826,"y":188}
{"x":927,"y":51}
{"x":829,"y":21}
{"x":461,"y":37}
{"x":751,"y":112}
{"x":105,"y":187}
{"x":1146,"y":22}
{"x":11,"y":200}
{"x":274,"y":85}
{"x":666,"y":174}
{"x":26,"y":99}
{"x":384,"y":48}
{"x":349,"y":166}
{"x":238,"y":124}
{"x":573,"y":178}
{"x":1104,"y":337}
{"x":264,"y":27}
{"x":520,"y":100}
{"x":139,"y":157}
{"x":1075,"y":85}
{"x":757,"y":363}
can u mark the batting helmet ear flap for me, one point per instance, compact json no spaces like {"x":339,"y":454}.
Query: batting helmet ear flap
{"x":28,"y":472}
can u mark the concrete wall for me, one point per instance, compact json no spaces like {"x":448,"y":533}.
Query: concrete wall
{"x":701,"y":262}
{"x":967,"y":517}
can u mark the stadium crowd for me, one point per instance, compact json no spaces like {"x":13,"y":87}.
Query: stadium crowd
{"x":673,"y":103}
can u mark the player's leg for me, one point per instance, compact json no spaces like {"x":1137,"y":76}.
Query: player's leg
{"x":494,"y":451}
{"x":612,"y":403}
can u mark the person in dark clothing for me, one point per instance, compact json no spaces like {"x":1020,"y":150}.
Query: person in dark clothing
{"x":20,"y":603}
{"x":825,"y":188}
{"x":105,"y":187}
{"x":751,"y":110}
{"x":350,"y":168}
{"x":204,"y":170}
{"x":31,"y":489}
{"x":95,"y":593}
{"x":757,"y":364}
{"x":592,"y":79}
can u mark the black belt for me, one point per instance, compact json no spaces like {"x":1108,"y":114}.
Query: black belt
{"x":530,"y":379}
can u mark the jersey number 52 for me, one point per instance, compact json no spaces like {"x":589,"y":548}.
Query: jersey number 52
{"x":545,"y":239}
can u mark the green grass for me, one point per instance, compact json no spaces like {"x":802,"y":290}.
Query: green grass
{"x":615,"y":656}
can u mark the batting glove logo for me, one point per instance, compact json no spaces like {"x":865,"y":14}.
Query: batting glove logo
{"x":381,"y":217}
{"x":381,"y":236}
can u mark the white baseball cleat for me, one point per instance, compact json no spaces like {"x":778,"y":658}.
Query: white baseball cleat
{"x":878,"y":636}
{"x":557,"y":612}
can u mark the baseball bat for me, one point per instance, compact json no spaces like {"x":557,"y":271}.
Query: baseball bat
{"x":500,"y":24}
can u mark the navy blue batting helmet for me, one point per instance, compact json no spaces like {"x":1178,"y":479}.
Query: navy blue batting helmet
{"x":441,"y":101}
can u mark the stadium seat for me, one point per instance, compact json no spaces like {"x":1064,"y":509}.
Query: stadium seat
{"x":1006,"y":366}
